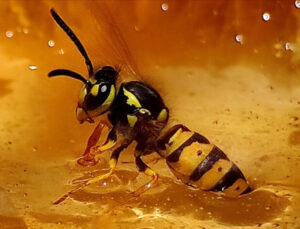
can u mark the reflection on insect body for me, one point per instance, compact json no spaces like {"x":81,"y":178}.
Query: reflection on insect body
{"x":137,"y":112}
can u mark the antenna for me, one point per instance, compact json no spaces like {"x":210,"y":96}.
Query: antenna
{"x":76,"y":41}
{"x":59,"y":72}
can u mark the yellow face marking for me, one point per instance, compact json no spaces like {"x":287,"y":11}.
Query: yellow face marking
{"x":131,"y":120}
{"x":215,"y":174}
{"x":237,"y":188}
{"x":107,"y":146}
{"x":190,"y":158}
{"x":95,"y":90}
{"x":178,"y":141}
{"x":132,"y":100}
{"x":162,"y":115}
{"x":82,"y":95}
{"x":105,"y":105}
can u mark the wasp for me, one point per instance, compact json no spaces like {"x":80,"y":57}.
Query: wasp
{"x":137,"y":112}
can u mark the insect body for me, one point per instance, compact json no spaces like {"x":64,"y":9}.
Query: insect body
{"x":197,"y":162}
{"x":137,"y":112}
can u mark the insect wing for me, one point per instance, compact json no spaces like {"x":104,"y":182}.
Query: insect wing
{"x":105,"y":42}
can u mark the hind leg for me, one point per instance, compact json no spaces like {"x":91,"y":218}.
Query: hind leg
{"x":142,"y":167}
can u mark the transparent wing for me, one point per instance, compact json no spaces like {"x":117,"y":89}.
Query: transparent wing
{"x":104,"y":41}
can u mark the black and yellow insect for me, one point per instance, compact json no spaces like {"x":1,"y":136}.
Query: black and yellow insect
{"x":138,"y":113}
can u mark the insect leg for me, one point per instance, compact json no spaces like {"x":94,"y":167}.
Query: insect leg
{"x":109,"y":143}
{"x":142,"y":167}
{"x":88,"y":157}
{"x":112,"y":165}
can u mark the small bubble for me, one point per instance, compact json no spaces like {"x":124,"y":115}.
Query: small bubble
{"x":9,"y":34}
{"x":51,"y":43}
{"x":104,"y":184}
{"x":164,"y":6}
{"x":32,"y":67}
{"x":266,"y":16}
{"x":61,"y":52}
{"x":136,"y":28}
{"x":297,"y":4}
{"x":34,"y":149}
{"x":25,"y":30}
{"x":148,"y":185}
{"x":239,"y":38}
{"x":288,"y":46}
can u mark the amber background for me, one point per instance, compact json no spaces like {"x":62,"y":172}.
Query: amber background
{"x":243,"y":96}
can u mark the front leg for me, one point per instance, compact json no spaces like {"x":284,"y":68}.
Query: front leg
{"x":88,"y":158}
{"x":112,"y":165}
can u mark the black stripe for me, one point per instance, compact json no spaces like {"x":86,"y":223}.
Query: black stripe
{"x":214,"y":155}
{"x":247,"y":191}
{"x":228,"y":179}
{"x":161,"y":143}
{"x":174,"y":157}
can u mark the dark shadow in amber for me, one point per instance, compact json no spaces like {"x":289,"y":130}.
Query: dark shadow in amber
{"x":4,"y":89}
{"x":255,"y":208}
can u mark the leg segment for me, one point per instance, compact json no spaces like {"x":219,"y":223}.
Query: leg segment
{"x":112,"y":165}
{"x":142,"y":167}
{"x":88,"y":158}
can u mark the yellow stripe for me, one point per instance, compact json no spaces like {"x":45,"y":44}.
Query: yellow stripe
{"x":107,"y":146}
{"x":162,"y":115}
{"x":132,"y":119}
{"x":132,"y":100}
{"x":237,"y":188}
{"x":177,"y":140}
{"x":189,"y":158}
{"x":149,"y":172}
{"x":214,"y":175}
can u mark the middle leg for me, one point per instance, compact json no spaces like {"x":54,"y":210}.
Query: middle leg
{"x":142,"y":167}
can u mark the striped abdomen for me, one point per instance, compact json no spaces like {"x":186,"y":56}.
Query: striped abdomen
{"x":195,"y":161}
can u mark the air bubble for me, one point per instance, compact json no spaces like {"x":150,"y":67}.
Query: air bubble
{"x":61,"y":52}
{"x":239,"y":38}
{"x":104,"y":184}
{"x":9,"y":34}
{"x":148,"y":185}
{"x":288,"y":46}
{"x":32,"y":67}
{"x":51,"y":43}
{"x":164,"y":6}
{"x":26,"y":31}
{"x":297,"y":4}
{"x":266,"y":16}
